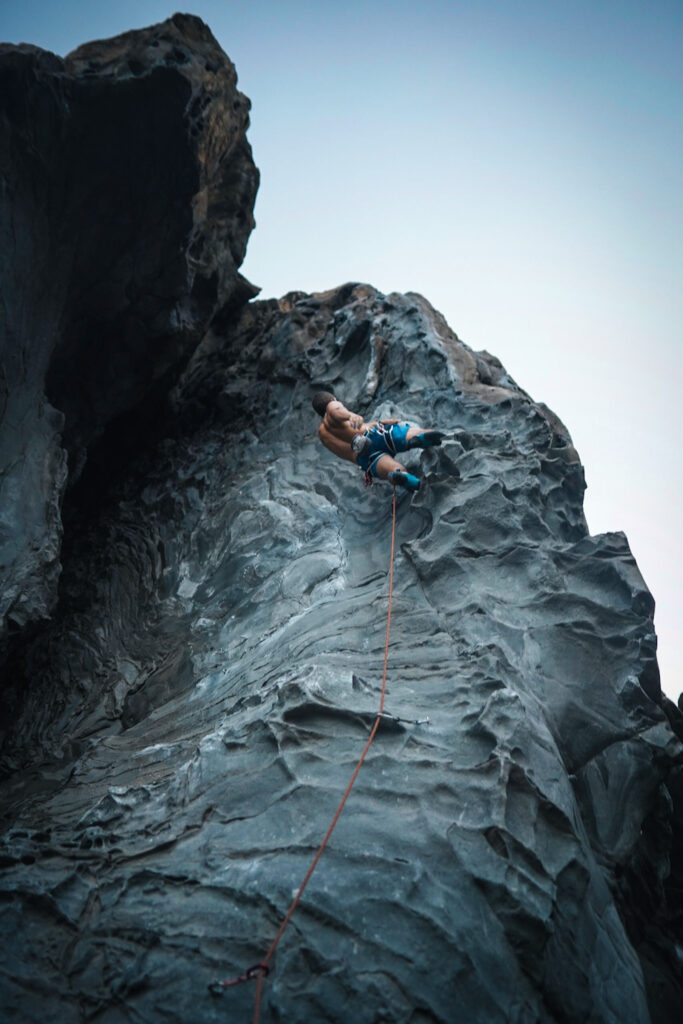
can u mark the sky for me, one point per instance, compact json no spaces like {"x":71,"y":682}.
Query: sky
{"x":517,"y":162}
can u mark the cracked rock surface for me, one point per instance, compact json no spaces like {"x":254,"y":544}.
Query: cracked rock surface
{"x":184,"y":727}
{"x":177,"y":736}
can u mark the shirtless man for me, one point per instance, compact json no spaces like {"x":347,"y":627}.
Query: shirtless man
{"x":371,"y":446}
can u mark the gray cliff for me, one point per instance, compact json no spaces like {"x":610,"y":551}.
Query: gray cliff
{"x":127,"y":196}
{"x":196,"y":598}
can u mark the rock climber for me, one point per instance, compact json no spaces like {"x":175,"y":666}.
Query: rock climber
{"x":372,"y":445}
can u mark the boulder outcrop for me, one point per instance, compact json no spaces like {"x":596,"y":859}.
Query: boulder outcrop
{"x":179,"y":734}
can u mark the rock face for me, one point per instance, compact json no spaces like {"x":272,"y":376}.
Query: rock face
{"x":128,"y":188}
{"x":181,"y":731}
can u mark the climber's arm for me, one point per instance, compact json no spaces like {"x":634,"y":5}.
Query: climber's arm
{"x":337,"y":415}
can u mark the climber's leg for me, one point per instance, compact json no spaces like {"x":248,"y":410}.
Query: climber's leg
{"x":419,"y":438}
{"x":404,"y":436}
{"x":388,"y":468}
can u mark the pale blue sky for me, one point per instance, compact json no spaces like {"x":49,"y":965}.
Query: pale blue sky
{"x":516,"y":161}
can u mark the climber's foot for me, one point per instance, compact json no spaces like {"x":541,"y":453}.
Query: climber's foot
{"x":427,"y":439}
{"x":399,"y":478}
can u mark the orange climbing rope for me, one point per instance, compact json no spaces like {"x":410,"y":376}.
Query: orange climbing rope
{"x":259,"y":971}
{"x":263,"y":966}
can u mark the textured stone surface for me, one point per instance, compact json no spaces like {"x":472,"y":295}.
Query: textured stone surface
{"x":181,"y":732}
{"x":177,"y":736}
{"x":127,"y":195}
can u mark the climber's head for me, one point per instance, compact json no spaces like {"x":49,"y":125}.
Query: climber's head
{"x":321,"y":400}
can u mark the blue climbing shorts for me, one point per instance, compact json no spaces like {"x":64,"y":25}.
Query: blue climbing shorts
{"x":385,"y":439}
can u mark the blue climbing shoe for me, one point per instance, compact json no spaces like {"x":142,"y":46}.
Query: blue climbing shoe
{"x":427,"y":439}
{"x":400,"y":479}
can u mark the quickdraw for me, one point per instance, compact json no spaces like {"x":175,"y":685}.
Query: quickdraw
{"x":217,"y":988}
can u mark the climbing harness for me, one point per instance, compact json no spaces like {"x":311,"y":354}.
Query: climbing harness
{"x":384,"y":432}
{"x":259,"y":971}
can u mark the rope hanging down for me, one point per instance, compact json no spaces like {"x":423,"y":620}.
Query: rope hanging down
{"x":259,"y":971}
